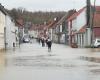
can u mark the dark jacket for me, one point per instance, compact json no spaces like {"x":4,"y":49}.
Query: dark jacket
{"x":49,"y":43}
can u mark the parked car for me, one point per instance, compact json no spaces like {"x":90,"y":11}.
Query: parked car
{"x":26,"y":40}
{"x":97,"y":43}
{"x":74,"y":45}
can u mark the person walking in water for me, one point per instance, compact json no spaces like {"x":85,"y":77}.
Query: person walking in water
{"x":43,"y":42}
{"x":39,"y":40}
{"x":49,"y":44}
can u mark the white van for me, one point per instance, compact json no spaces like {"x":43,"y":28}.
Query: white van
{"x":97,"y":43}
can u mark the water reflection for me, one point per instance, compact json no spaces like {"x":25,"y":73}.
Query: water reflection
{"x":91,"y":59}
{"x":95,"y":49}
{"x":2,"y":60}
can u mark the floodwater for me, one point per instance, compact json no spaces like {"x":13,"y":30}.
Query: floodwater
{"x":33,"y":62}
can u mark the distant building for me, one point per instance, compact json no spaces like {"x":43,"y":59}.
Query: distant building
{"x":33,"y":31}
{"x":27,"y":27}
{"x":20,"y":25}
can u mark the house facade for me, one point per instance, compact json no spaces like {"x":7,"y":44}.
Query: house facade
{"x":96,"y":23}
{"x":10,"y":33}
{"x":60,"y":31}
{"x":2,"y":27}
{"x":78,"y":31}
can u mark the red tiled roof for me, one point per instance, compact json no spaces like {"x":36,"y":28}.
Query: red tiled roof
{"x":82,"y":30}
{"x":76,"y":14}
{"x":65,"y":17}
{"x":51,"y":24}
{"x":72,"y":17}
{"x":96,"y":18}
{"x":55,"y":24}
{"x":20,"y":22}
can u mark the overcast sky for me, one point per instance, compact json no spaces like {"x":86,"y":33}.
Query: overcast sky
{"x":46,"y":5}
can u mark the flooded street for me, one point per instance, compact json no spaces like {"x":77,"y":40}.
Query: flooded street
{"x":33,"y":62}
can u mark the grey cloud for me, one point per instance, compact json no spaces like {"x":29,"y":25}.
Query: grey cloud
{"x":45,"y":4}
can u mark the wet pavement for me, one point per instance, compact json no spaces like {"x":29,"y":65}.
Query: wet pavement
{"x":33,"y":62}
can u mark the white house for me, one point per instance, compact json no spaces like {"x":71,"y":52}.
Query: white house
{"x":78,"y":31}
{"x":2,"y":27}
{"x":10,"y":33}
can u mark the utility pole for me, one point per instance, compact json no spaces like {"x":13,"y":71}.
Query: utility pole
{"x":92,"y":25}
{"x":88,"y":7}
{"x":89,"y":21}
{"x":90,"y":17}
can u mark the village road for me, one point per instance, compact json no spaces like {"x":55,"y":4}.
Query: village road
{"x":33,"y":62}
